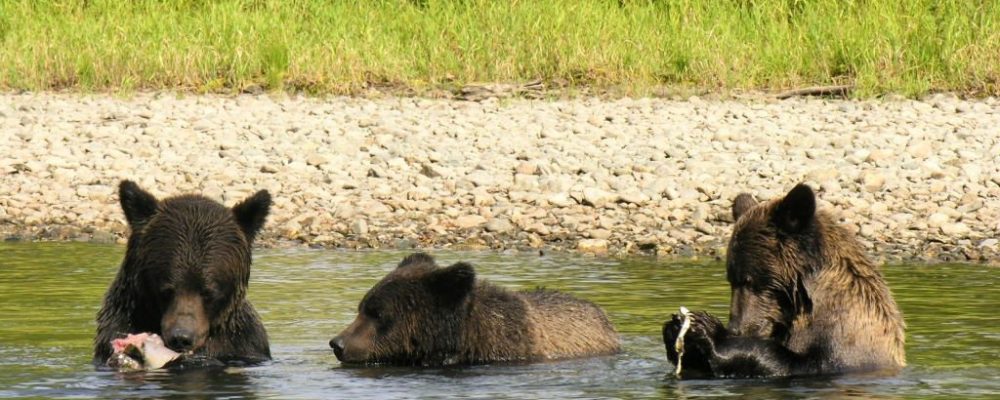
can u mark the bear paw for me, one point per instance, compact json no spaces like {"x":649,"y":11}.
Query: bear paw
{"x":699,"y":341}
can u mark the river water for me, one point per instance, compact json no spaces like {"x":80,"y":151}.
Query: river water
{"x":50,"y":292}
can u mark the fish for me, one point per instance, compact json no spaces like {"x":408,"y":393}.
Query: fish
{"x":141,"y":352}
{"x":679,"y":343}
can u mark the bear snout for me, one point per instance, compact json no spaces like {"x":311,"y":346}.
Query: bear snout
{"x":337,"y":344}
{"x":181,"y":340}
{"x":185,"y":325}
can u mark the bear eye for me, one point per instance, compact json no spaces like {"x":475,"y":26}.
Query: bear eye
{"x":209,"y":293}
{"x":373,"y":312}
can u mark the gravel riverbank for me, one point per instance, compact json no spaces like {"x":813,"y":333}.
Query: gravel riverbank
{"x":918,"y":180}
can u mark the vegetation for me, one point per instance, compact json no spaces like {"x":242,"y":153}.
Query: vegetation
{"x":633,"y":46}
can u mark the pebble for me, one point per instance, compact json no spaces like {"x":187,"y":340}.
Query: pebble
{"x":937,"y":220}
{"x":872,"y":181}
{"x":600,"y":234}
{"x":956,"y":229}
{"x":499,"y":225}
{"x":316,"y":160}
{"x":598,"y":197}
{"x":538,"y":228}
{"x":573,"y":174}
{"x":561,"y":200}
{"x":359,"y":227}
{"x":526,"y":168}
{"x":469,"y":221}
{"x":594,"y":246}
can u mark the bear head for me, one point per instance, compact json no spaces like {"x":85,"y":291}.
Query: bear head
{"x":775,"y":248}
{"x":413,"y":316}
{"x":189,"y":261}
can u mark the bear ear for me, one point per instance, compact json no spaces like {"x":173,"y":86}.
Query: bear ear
{"x":416,"y":259}
{"x":741,"y":204}
{"x":795,"y":212}
{"x":137,"y":204}
{"x":251,"y":213}
{"x":452,"y":284}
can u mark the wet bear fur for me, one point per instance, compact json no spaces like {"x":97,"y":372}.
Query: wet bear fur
{"x":806,"y":300}
{"x":185,"y":277}
{"x":424,"y":315}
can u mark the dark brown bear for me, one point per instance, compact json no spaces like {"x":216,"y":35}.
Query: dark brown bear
{"x":424,"y":315}
{"x":185,"y":277}
{"x":805,"y":300}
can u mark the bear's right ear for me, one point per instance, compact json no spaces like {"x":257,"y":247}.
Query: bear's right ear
{"x":453,"y":283}
{"x":741,"y":204}
{"x":795,"y":212}
{"x":137,"y":204}
{"x":251,"y":213}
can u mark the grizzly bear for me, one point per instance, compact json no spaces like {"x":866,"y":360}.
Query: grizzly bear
{"x":424,"y":315}
{"x":185,"y":277}
{"x":805,"y":300}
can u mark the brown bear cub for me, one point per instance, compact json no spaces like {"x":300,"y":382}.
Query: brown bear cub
{"x":185,"y":277}
{"x":805,"y":300}
{"x":424,"y":315}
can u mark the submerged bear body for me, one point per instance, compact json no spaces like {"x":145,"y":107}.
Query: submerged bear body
{"x":806,"y":300}
{"x":185,"y":277}
{"x":421,"y":314}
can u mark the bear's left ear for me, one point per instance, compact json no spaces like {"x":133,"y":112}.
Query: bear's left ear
{"x":453,"y":283}
{"x":251,"y":213}
{"x":796,"y":211}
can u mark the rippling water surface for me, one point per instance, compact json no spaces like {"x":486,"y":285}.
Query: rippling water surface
{"x":49,"y":294}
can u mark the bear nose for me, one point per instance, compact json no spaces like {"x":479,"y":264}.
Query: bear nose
{"x":181,"y":339}
{"x":337,"y":344}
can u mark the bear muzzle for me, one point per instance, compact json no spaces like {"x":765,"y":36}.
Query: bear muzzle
{"x":337,"y":344}
{"x":353,"y":345}
{"x":181,"y":339}
{"x":185,"y":326}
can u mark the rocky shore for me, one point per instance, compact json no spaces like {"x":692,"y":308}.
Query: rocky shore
{"x":917,"y":180}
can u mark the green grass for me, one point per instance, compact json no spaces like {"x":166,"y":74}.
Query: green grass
{"x":909,"y":47}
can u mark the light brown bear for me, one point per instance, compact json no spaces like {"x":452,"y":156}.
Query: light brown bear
{"x":805,"y":300}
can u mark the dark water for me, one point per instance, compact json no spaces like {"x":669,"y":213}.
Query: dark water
{"x":49,"y":294}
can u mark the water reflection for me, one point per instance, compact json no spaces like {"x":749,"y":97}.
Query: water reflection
{"x":213,"y":382}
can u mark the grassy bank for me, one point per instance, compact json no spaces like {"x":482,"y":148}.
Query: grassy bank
{"x":906,"y":46}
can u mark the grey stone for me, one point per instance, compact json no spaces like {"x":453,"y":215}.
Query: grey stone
{"x":360,"y":227}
